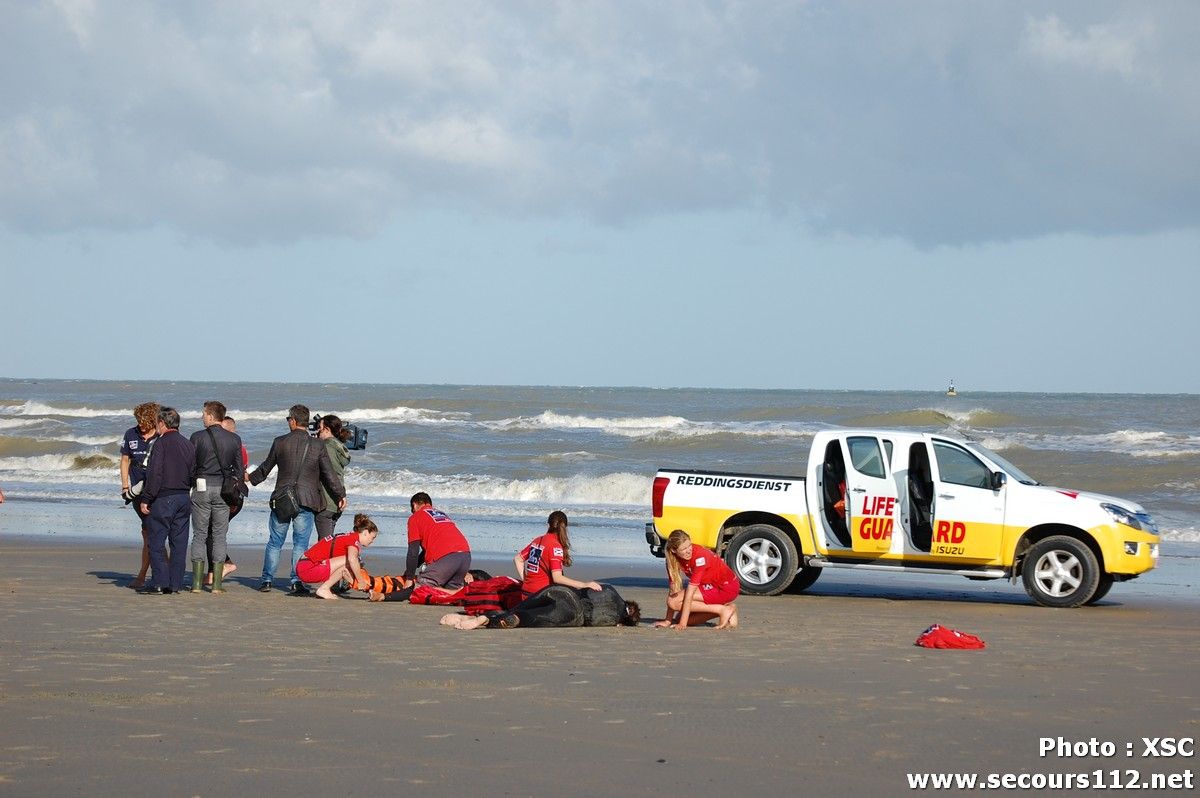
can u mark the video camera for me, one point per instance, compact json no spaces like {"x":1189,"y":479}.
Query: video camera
{"x":358,"y":435}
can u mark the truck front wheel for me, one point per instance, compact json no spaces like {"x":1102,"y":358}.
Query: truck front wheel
{"x":1060,"y":571}
{"x":764,"y":559}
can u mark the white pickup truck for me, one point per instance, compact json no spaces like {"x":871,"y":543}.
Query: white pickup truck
{"x":902,"y":501}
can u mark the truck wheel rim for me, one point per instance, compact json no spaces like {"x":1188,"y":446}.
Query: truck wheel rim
{"x":1058,"y":573}
{"x":758,"y":561}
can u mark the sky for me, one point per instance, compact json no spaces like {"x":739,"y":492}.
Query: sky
{"x":709,"y":194}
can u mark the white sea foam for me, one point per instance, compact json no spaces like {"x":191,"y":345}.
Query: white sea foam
{"x":651,"y":427}
{"x":32,"y":408}
{"x":86,"y":440}
{"x":577,"y":490}
{"x":17,"y":423}
{"x":1138,"y":443}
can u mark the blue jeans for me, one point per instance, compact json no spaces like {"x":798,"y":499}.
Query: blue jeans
{"x":302,"y":530}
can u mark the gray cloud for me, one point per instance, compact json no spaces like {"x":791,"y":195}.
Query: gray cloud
{"x":937,"y":123}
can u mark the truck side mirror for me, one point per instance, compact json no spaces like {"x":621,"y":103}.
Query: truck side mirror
{"x":999,"y":479}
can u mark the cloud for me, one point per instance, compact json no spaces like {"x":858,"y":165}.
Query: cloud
{"x":271,"y":121}
{"x":1103,"y":48}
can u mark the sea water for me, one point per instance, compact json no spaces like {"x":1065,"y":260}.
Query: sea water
{"x":499,"y":459}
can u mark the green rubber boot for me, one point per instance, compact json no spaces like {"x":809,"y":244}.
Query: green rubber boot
{"x":197,"y":575}
{"x":218,"y":572}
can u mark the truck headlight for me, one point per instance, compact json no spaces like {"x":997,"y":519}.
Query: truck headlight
{"x":1141,"y":521}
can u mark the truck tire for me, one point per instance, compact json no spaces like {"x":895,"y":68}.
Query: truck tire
{"x":804,"y":579}
{"x":764,"y":559}
{"x":1060,"y":571}
{"x":1106,"y":583}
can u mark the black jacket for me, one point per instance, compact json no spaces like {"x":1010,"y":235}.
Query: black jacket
{"x":229,"y":452}
{"x":286,"y":452}
{"x":171,"y":467}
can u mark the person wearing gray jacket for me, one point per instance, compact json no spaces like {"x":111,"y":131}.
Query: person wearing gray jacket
{"x":303,"y":467}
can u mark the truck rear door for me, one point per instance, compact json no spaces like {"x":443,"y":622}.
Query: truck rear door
{"x":871,"y":498}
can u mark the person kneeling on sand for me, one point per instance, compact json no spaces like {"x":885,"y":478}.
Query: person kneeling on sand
{"x":711,"y":591}
{"x":555,"y":607}
{"x":330,"y":560}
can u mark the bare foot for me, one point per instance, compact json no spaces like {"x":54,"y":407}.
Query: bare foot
{"x":468,"y":622}
{"x":138,"y":583}
{"x":449,"y":619}
{"x":230,"y":567}
{"x":375,"y":595}
{"x":327,"y":595}
{"x":733,"y":619}
{"x":208,"y":579}
{"x":726,"y":612}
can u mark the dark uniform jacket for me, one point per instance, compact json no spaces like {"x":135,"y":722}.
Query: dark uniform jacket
{"x":286,"y":452}
{"x":171,"y":467}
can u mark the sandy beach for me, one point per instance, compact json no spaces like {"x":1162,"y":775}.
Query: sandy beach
{"x":106,"y":692}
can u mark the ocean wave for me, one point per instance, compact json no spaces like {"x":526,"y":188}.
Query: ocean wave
{"x":19,"y":423}
{"x":1137,"y":443}
{"x":577,"y":490}
{"x":402,"y":414}
{"x":940,"y":417}
{"x":89,"y":466}
{"x":32,"y":408}
{"x":565,"y":457}
{"x":651,"y":427}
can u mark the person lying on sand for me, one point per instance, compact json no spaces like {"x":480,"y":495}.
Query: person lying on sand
{"x":555,"y":607}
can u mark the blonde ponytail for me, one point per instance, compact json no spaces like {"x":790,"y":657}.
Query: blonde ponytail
{"x":674,"y":571}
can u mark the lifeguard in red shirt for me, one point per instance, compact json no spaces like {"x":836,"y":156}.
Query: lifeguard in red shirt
{"x":336,"y":558}
{"x":712,"y":586}
{"x":446,"y":551}
{"x":541,"y":563}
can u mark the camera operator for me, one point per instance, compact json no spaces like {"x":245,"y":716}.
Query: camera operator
{"x":331,"y":430}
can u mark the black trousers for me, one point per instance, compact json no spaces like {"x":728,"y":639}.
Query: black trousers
{"x":551,"y":607}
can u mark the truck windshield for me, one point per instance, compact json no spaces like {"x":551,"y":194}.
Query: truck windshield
{"x":1013,"y":471}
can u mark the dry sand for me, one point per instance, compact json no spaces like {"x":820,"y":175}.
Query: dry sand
{"x":105,"y":692}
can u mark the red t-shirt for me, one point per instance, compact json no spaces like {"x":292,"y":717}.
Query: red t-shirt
{"x":542,"y":557}
{"x":706,"y":568}
{"x":436,"y":533}
{"x":320,"y":551}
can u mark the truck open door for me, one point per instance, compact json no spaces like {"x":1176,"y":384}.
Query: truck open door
{"x":872,"y":505}
{"x":968,"y":508}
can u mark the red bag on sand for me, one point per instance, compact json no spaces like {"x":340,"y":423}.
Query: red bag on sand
{"x":940,"y":637}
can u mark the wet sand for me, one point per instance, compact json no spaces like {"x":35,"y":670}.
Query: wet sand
{"x":105,"y":692}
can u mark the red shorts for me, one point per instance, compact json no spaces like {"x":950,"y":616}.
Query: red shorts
{"x":312,"y":572}
{"x":721,"y":594}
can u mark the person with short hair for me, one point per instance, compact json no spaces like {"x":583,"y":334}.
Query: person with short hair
{"x":218,"y":453}
{"x":135,"y":445}
{"x":303,"y":467}
{"x":432,"y":535}
{"x":230,"y":424}
{"x":166,"y":500}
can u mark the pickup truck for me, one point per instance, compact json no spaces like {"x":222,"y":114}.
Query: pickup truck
{"x":907,"y":502}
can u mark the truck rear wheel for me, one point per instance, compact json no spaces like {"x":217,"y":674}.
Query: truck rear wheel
{"x":764,"y":559}
{"x":1060,"y":571}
